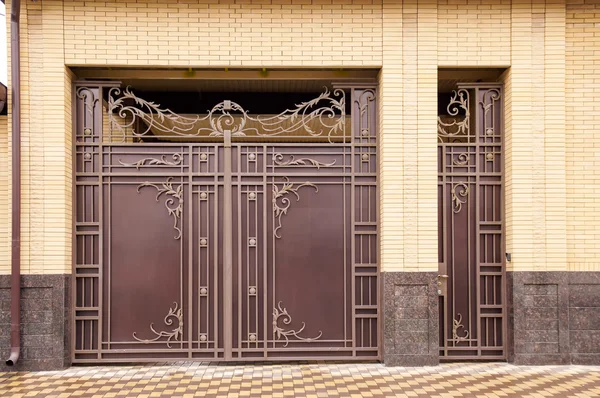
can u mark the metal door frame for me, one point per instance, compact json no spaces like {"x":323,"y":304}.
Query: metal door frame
{"x":83,"y":131}
{"x":475,"y":138}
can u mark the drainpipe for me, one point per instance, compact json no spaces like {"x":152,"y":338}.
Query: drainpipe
{"x":15,"y":279}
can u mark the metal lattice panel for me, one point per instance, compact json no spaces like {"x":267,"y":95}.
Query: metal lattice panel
{"x":226,"y":248}
{"x":471,"y":221}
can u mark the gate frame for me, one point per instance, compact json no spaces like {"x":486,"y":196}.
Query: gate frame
{"x":227,"y":299}
{"x":502,"y":195}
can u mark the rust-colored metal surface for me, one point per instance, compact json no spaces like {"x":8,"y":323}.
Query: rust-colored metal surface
{"x":471,"y":282}
{"x":225,"y":235}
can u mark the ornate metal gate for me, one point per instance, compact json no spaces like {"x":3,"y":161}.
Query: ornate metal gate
{"x":226,"y":235}
{"x":471,"y":221}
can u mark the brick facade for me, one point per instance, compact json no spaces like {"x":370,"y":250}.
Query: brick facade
{"x":552,"y":106}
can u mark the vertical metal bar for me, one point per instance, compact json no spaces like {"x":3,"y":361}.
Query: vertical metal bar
{"x":215,"y":288}
{"x":264,"y":262}
{"x":352,"y":221}
{"x":444,"y":263}
{"x":75,"y":110}
{"x":478,"y":162}
{"x":191,"y":243}
{"x":227,"y":249}
{"x":240,"y":245}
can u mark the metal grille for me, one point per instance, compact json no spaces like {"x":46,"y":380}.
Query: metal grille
{"x":471,"y":224}
{"x":225,"y":236}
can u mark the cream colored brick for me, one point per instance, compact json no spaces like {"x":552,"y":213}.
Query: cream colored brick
{"x":551,"y":104}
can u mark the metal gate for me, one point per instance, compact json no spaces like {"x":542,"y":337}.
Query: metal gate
{"x":225,"y":235}
{"x":471,"y":220}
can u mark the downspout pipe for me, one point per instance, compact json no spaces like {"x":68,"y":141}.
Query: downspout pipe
{"x":15,"y":279}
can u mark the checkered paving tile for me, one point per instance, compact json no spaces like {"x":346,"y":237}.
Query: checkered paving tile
{"x":306,"y":380}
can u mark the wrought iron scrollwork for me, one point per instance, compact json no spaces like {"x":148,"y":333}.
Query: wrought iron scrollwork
{"x":125,"y":108}
{"x":461,"y":160}
{"x":162,"y":161}
{"x":280,"y":313}
{"x":174,"y":313}
{"x":278,"y":160}
{"x":487,"y":103}
{"x":459,"y":190}
{"x":458,"y":127}
{"x":457,"y":324}
{"x":279,"y":194}
{"x":363,"y":102}
{"x":174,"y":193}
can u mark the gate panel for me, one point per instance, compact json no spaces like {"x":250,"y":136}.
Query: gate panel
{"x":471,"y":216}
{"x":228,"y":236}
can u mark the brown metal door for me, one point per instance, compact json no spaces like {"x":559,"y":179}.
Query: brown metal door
{"x":471,"y":245}
{"x":225,"y":236}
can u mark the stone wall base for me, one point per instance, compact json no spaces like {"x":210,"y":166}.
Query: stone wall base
{"x":45,"y":326}
{"x":410,"y":319}
{"x":554,"y":318}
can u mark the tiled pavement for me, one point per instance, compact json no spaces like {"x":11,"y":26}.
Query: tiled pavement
{"x":306,"y":380}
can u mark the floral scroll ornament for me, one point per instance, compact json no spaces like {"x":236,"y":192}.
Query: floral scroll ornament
{"x":281,"y":314}
{"x":175,"y":334}
{"x":459,"y":190}
{"x":173,"y":193}
{"x":162,"y":161}
{"x":281,"y":204}
{"x":457,"y":324}
{"x":328,"y":109}
{"x":279,"y":161}
{"x":457,"y":127}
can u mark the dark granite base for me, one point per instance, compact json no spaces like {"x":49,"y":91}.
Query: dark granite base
{"x":410,"y":319}
{"x":554,"y":318}
{"x":45,"y":322}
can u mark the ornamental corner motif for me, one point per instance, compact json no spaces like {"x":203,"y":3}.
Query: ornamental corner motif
{"x":174,"y":313}
{"x":173,"y":193}
{"x":281,"y":314}
{"x":281,"y":203}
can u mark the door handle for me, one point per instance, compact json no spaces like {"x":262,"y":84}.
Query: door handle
{"x":442,"y":285}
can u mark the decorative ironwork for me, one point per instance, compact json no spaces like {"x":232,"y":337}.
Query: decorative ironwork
{"x":225,"y":213}
{"x":169,"y":190}
{"x":487,"y":103}
{"x":458,"y":127}
{"x":280,"y":332}
{"x":162,"y":161}
{"x":328,"y":109}
{"x":288,"y":187}
{"x":278,"y":160}
{"x":457,"y":324}
{"x":464,"y":191}
{"x":461,"y":160}
{"x":471,"y":245}
{"x":174,"y":313}
{"x":363,"y":102}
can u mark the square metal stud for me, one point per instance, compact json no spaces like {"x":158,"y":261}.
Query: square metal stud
{"x":252,"y":290}
{"x":203,"y":242}
{"x":87,"y":131}
{"x":252,"y":242}
{"x":203,"y":291}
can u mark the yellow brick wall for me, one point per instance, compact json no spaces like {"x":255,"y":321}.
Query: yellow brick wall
{"x":223,"y":33}
{"x":408,"y":40}
{"x":474,"y":32}
{"x":583,"y":134}
{"x":45,"y":142}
